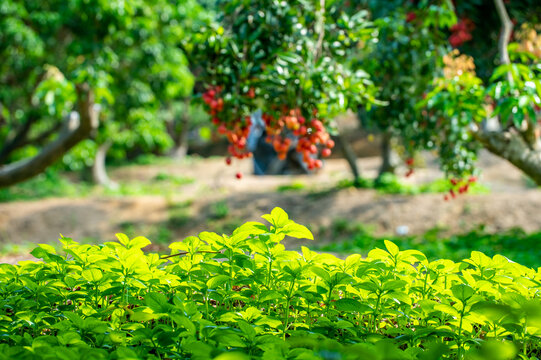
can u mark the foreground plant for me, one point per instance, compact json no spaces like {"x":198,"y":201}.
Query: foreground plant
{"x":245,"y":296}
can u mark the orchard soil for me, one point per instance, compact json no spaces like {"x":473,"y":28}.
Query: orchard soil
{"x":218,"y":201}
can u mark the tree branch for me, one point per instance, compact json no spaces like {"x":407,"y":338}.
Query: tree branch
{"x":507,"y":28}
{"x":511,"y":146}
{"x":75,"y":130}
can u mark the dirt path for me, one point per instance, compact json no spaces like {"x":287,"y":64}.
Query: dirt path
{"x":195,"y":208}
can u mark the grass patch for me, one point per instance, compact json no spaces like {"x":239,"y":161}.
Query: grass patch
{"x":48,"y":184}
{"x":219,"y":210}
{"x":294,"y":186}
{"x":179,"y":214}
{"x":55,"y":184}
{"x":392,"y":184}
{"x":173,"y":179}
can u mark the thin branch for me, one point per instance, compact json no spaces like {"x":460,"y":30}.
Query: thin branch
{"x":18,"y":139}
{"x":507,"y":28}
{"x":38,"y":140}
{"x":186,"y":253}
{"x":320,"y":26}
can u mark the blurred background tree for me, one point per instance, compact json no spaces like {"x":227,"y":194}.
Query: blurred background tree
{"x":117,"y":67}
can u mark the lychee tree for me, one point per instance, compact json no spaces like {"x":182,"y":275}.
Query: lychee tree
{"x":510,"y":98}
{"x":291,"y":61}
{"x":403,"y":60}
{"x":80,"y":74}
{"x":438,"y":98}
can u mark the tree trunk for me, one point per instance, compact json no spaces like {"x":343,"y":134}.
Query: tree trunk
{"x":181,"y":136}
{"x":350,"y":157}
{"x":76,"y":128}
{"x":99,"y":169}
{"x":388,"y":157}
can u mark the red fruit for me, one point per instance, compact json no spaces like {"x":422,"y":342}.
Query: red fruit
{"x":238,"y":175}
{"x":330,"y":143}
{"x":472,"y":179}
{"x":409,"y":173}
{"x":211,"y":93}
{"x":241,"y":143}
{"x":409,"y":161}
{"x":318,"y":164}
{"x":251,"y":93}
{"x":452,"y":192}
{"x":228,"y":160}
{"x":453,"y":181}
{"x":446,"y":198}
{"x":326,"y":152}
{"x":410,"y":16}
{"x":318,"y":125}
{"x":220,"y":104}
{"x":215,"y":121}
{"x":222,"y":129}
{"x":455,"y":41}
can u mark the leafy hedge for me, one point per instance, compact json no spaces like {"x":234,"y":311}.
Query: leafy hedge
{"x":245,"y":296}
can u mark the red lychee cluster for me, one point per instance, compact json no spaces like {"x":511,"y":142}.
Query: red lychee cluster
{"x":409,"y":164}
{"x":459,"y":186}
{"x":310,"y":134}
{"x":411,"y":16}
{"x":236,"y":131}
{"x":313,"y":140}
{"x":461,"y":32}
{"x":214,"y":102}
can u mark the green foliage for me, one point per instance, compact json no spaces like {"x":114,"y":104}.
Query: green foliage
{"x":244,"y":295}
{"x":516,"y":244}
{"x":128,"y":53}
{"x":403,"y":60}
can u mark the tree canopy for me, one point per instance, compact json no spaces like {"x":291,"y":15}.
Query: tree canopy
{"x":429,"y":73}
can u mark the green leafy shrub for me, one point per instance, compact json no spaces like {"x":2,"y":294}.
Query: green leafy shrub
{"x":245,"y":296}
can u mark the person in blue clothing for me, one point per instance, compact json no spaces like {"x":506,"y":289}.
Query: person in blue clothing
{"x":266,"y":160}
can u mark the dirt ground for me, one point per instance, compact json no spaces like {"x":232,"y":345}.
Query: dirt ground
{"x":511,"y":203}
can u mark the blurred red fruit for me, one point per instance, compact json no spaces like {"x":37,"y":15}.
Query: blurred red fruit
{"x":326,"y":152}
